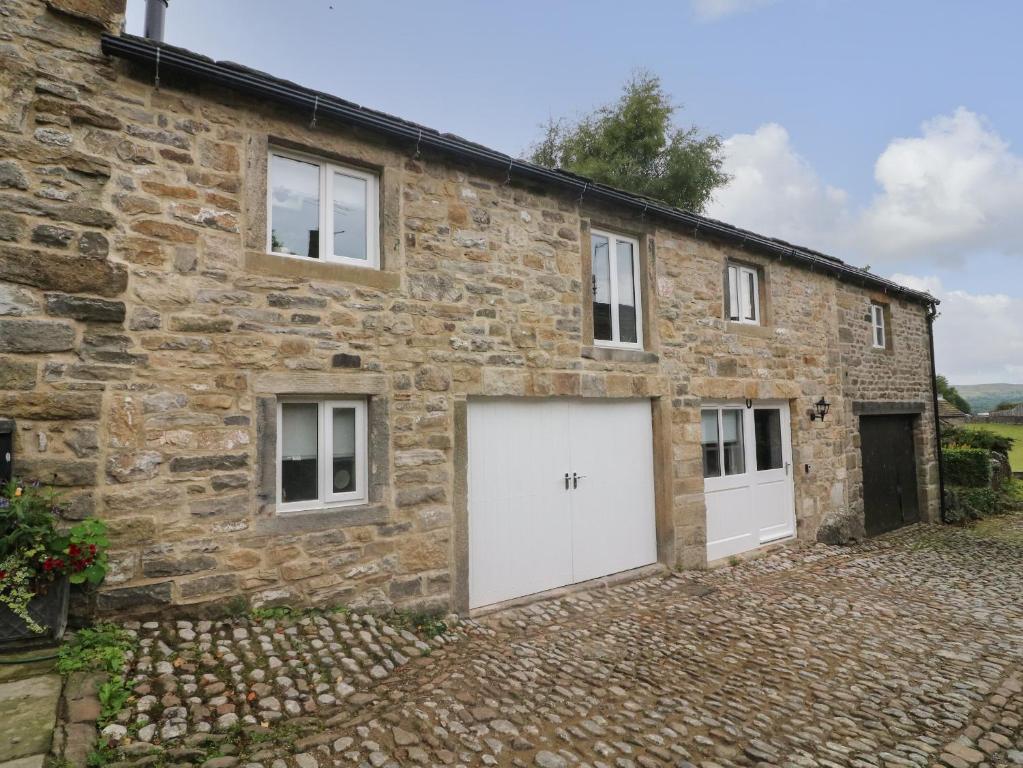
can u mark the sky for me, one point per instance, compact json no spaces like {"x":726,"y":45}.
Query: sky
{"x":889,"y":134}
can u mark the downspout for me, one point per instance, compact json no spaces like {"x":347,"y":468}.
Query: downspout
{"x":932,"y":314}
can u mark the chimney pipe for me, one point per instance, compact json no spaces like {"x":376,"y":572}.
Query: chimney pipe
{"x":155,"y":10}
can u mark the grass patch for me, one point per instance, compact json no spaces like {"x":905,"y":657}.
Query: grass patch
{"x":427,"y":625}
{"x":1015,"y":431}
{"x":101,"y":648}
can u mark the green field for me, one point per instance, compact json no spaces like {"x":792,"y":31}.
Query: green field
{"x":1014,"y":431}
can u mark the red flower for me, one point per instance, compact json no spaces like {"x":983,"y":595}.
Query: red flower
{"x":74,"y":550}
{"x":92,"y":549}
{"x":3,"y":575}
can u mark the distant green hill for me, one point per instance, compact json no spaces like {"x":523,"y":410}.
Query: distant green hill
{"x":984,"y":397}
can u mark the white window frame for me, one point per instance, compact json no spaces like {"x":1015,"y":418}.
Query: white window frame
{"x":325,"y":442}
{"x":743,"y":294}
{"x":326,"y":221}
{"x":613,"y":240}
{"x":719,"y":410}
{"x":879,"y":333}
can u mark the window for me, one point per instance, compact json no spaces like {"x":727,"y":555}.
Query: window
{"x":307,"y":197}
{"x":722,"y":441}
{"x":321,"y":450}
{"x":880,"y":333}
{"x":617,"y":311}
{"x":743,"y":294}
{"x":767,"y":433}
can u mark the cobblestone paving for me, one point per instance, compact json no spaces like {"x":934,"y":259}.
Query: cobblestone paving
{"x":905,"y":651}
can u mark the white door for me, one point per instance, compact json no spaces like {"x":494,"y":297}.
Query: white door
{"x":560,"y":491}
{"x":613,"y":526}
{"x":747,"y":462}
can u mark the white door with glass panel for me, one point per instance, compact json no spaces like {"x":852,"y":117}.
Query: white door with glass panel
{"x":560,"y":491}
{"x":747,"y":463}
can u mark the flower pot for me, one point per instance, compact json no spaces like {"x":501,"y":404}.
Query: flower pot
{"x":48,"y":609}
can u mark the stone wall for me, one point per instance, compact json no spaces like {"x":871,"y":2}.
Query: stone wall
{"x":145,"y":334}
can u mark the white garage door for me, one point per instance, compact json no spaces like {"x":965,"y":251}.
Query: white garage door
{"x":560,"y":491}
{"x":747,"y":461}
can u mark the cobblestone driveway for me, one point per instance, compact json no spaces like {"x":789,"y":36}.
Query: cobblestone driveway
{"x":900,"y":652}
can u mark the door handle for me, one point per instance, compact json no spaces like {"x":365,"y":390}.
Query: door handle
{"x":575,"y":480}
{"x":787,"y":465}
{"x":566,"y":481}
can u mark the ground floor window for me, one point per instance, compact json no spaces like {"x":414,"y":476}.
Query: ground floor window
{"x":722,"y":440}
{"x":321,"y":449}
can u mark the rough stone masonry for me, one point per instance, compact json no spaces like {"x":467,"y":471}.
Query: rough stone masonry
{"x":145,"y":335}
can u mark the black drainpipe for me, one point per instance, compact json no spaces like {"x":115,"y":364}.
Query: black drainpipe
{"x":932,"y":313}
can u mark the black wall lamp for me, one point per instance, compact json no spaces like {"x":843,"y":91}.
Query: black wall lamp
{"x":820,"y":410}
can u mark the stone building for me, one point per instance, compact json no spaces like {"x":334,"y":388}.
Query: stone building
{"x":492,"y":379}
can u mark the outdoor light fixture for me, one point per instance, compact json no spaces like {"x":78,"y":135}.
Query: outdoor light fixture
{"x":820,"y":410}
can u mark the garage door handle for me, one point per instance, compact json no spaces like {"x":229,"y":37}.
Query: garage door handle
{"x":575,"y":480}
{"x":567,"y":479}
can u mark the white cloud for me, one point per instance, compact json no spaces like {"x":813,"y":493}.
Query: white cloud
{"x":774,"y":191}
{"x":955,"y":189}
{"x":978,"y":338}
{"x":712,"y":10}
{"x":953,"y":192}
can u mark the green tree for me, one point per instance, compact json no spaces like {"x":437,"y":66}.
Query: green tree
{"x":633,"y":144}
{"x":950,"y":393}
{"x":1005,"y":405}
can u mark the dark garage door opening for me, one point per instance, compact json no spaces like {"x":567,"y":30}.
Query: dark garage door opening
{"x":890,"y":497}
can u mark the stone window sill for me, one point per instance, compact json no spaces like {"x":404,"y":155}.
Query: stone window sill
{"x":319,"y":519}
{"x":610,"y":354}
{"x":282,"y":266}
{"x":761,"y":331}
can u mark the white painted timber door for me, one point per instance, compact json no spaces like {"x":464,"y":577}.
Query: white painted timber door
{"x":747,"y":469}
{"x":560,"y":491}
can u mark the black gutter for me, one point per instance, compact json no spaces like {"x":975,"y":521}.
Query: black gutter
{"x":932,"y":314}
{"x":164,"y":58}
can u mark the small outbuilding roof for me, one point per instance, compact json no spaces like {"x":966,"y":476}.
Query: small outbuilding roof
{"x":171,"y":60}
{"x":947,"y":411}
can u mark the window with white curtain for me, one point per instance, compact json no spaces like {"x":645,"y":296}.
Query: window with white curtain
{"x":880,"y":332}
{"x":743,"y":293}
{"x":307,"y":197}
{"x":321,"y":454}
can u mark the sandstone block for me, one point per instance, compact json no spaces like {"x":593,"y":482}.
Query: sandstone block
{"x":131,"y":467}
{"x":61,"y":472}
{"x":206,"y":463}
{"x":155,"y":566}
{"x":51,"y":406}
{"x":35,"y":336}
{"x":433,"y":378}
{"x":208,"y":585}
{"x":17,"y":374}
{"x":72,"y":274}
{"x":85,"y":308}
{"x":141,"y":598}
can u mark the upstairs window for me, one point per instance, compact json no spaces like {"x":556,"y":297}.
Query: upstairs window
{"x":743,"y":294}
{"x":877,"y":322}
{"x":321,"y":454}
{"x":617,"y":309}
{"x":308,"y":197}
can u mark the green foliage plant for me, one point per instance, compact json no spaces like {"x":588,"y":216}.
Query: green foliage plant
{"x":633,"y":144}
{"x":35,"y":551}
